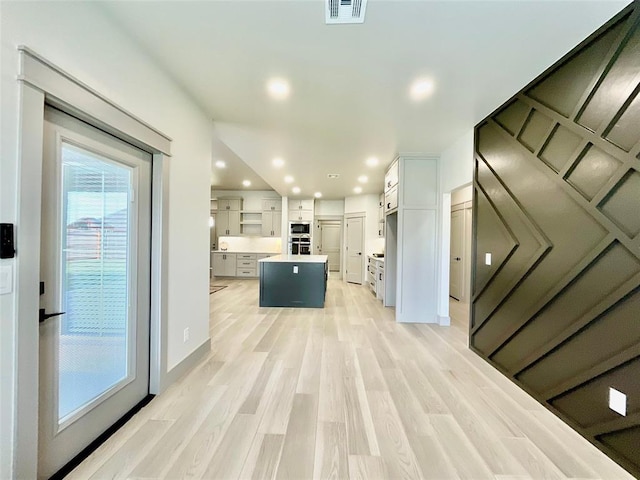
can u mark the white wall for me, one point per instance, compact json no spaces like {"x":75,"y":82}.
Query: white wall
{"x":79,"y":38}
{"x":329,"y":207}
{"x":456,"y":163}
{"x":456,"y":170}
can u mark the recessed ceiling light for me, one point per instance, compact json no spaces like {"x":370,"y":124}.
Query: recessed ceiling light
{"x":363,"y":179}
{"x":278,"y":162}
{"x":358,"y":189}
{"x":372,"y":161}
{"x":288,"y":179}
{"x":421,"y":89}
{"x":246,"y":183}
{"x":220,"y":164}
{"x":278,"y":88}
{"x":317,"y":194}
{"x":295,"y":189}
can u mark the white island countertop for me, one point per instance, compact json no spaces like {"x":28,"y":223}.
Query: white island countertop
{"x":296,"y":259}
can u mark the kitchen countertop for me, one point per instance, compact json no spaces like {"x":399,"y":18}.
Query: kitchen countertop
{"x":296,"y":259}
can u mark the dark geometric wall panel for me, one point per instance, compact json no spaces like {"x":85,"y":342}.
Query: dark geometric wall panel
{"x":557,"y":205}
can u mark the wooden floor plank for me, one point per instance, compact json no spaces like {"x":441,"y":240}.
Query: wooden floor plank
{"x":298,"y":451}
{"x":331,"y":459}
{"x":294,"y":393}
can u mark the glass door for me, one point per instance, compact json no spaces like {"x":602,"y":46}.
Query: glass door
{"x":94,"y":315}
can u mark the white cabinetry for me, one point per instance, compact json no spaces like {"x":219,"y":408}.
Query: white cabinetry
{"x":224,"y":264}
{"x":229,"y":203}
{"x":228,"y":216}
{"x":271,"y":223}
{"x":391,"y":176}
{"x":301,"y":210}
{"x":381,"y":215}
{"x":271,"y":217}
{"x":375,"y":276}
{"x":246,"y":265}
{"x":228,"y":222}
{"x":271,"y":204}
{"x":411,"y":257}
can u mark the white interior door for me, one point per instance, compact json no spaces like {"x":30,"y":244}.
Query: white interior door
{"x":355,"y":246}
{"x":456,"y":271}
{"x":95,"y":258}
{"x":330,"y":243}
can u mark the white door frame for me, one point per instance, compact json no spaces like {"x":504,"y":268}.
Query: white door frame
{"x":41,"y":82}
{"x":347,"y":216}
{"x":316,"y":233}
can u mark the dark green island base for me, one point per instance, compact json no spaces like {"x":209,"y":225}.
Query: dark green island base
{"x":293,"y":281}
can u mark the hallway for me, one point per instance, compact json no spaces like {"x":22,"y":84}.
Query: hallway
{"x":341,"y":392}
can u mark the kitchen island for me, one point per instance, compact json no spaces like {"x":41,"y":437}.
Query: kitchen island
{"x":293,"y":281}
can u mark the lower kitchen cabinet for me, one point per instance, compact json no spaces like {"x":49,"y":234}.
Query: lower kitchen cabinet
{"x":237,"y":264}
{"x":246,"y":265}
{"x":224,"y":264}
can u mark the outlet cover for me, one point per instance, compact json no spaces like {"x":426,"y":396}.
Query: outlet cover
{"x":617,"y":401}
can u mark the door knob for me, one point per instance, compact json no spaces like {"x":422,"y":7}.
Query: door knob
{"x":458,"y":259}
{"x":43,"y":316}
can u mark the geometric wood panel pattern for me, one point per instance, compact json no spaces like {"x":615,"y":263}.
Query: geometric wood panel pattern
{"x":557,"y":205}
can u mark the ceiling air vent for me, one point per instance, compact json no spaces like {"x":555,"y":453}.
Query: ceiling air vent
{"x":345,"y":11}
{"x":333,"y":175}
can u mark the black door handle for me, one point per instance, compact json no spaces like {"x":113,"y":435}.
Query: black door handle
{"x":458,"y":259}
{"x":44,"y":316}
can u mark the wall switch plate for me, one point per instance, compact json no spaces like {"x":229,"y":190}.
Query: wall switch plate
{"x":617,"y":401}
{"x":6,"y":279}
{"x":487,"y":259}
{"x":185,"y":335}
{"x":295,"y":269}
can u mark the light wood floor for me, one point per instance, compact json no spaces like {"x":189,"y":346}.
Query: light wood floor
{"x":342,"y":392}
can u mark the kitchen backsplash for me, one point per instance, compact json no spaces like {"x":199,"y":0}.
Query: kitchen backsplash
{"x":250,"y":244}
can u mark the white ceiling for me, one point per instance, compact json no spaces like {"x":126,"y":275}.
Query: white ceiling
{"x":349,"y":83}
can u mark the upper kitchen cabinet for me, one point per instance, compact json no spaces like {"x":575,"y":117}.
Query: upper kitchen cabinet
{"x":391,"y":176}
{"x":228,"y":222}
{"x":272,"y":205}
{"x":381,"y":215}
{"x":271,"y":223}
{"x":301,"y":210}
{"x":229,"y":204}
{"x":228,"y":216}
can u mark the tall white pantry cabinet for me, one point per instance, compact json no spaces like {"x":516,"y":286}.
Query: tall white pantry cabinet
{"x":411,"y":241}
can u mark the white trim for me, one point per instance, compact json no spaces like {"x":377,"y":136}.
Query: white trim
{"x":159,"y":274}
{"x":70,"y":94}
{"x":40,"y":81}
{"x":363,"y":217}
{"x":30,"y":144}
{"x":188,"y":363}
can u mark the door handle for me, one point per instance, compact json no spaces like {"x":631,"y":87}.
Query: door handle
{"x":44,"y":316}
{"x":458,"y":259}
